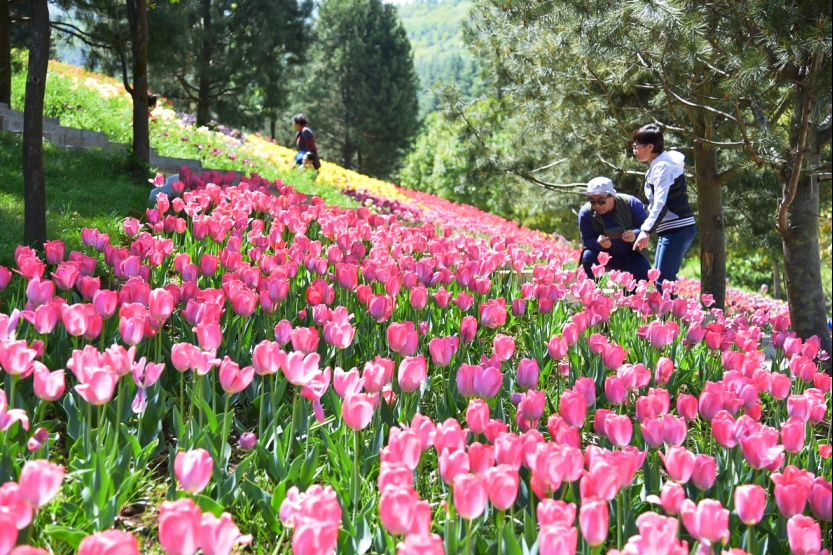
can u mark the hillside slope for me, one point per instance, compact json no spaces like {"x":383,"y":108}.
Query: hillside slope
{"x":433,"y":28}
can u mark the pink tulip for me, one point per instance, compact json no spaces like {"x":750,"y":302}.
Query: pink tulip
{"x":468,"y":329}
{"x":179,"y":526}
{"x":821,"y":499}
{"x":5,"y":277}
{"x":300,"y":369}
{"x":267,"y":358}
{"x":706,"y":521}
{"x":750,"y":503}
{"x":614,"y":390}
{"x":397,"y":509}
{"x":8,"y":533}
{"x":792,"y":489}
{"x":573,"y":408}
{"x":477,"y":415}
{"x":556,"y":539}
{"x":793,"y":432}
{"x":504,"y":346}
{"x":671,"y":498}
{"x":48,"y":386}
{"x":470,"y":495}
{"x":557,"y":347}
{"x":40,"y":481}
{"x":413,"y":371}
{"x":593,"y":519}
{"x":247,"y":441}
{"x":13,"y":504}
{"x":760,"y":448}
{"x":551,"y":511}
{"x":528,"y":373}
{"x":99,"y":387}
{"x":704,"y":472}
{"x":217,"y":536}
{"x":657,"y":534}
{"x":415,"y":544}
{"x":357,"y":410}
{"x":502,"y":484}
{"x":679,"y":463}
{"x":402,"y":338}
{"x":193,"y":469}
{"x":804,"y":535}
{"x":16,"y":357}
{"x":723,"y":429}
{"x":619,"y":429}
{"x":234,"y":379}
{"x":111,"y":542}
{"x":442,"y":349}
{"x":452,"y":464}
{"x":613,"y":356}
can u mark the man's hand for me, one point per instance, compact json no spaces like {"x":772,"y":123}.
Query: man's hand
{"x":628,"y":236}
{"x":642,"y":241}
{"x":604,"y":241}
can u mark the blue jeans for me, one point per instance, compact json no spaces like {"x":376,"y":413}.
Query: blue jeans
{"x":671,"y":249}
{"x":634,"y":263}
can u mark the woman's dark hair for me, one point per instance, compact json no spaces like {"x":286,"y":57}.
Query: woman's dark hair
{"x":300,"y":119}
{"x":650,"y":134}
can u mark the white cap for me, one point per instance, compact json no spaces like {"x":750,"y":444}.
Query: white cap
{"x":600,"y":186}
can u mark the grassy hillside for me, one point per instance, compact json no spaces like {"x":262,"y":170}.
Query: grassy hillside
{"x":433,"y":28}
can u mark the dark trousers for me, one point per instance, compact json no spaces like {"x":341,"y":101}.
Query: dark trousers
{"x":634,"y":263}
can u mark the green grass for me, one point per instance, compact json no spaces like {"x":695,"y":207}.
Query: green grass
{"x":83,"y":189}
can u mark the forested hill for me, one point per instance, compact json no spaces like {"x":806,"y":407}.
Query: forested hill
{"x":433,"y":28}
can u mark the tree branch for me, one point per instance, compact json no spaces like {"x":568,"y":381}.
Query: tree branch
{"x":792,"y":186}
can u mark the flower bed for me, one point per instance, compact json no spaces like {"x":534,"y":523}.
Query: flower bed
{"x":257,"y":367}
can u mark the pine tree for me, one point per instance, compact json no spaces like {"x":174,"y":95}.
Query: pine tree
{"x":362,"y":88}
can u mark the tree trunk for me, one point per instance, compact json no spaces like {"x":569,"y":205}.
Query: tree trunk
{"x":802,"y":265}
{"x":137,"y":11}
{"x":34,"y":181}
{"x":711,"y":224}
{"x":204,"y":93}
{"x":776,"y":280}
{"x":5,"y":53}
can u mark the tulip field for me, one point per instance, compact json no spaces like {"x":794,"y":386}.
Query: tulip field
{"x":248,"y":369}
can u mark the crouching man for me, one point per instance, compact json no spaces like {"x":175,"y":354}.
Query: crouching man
{"x":610,"y":223}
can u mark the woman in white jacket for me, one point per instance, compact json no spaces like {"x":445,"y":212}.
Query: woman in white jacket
{"x":670,"y":216}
